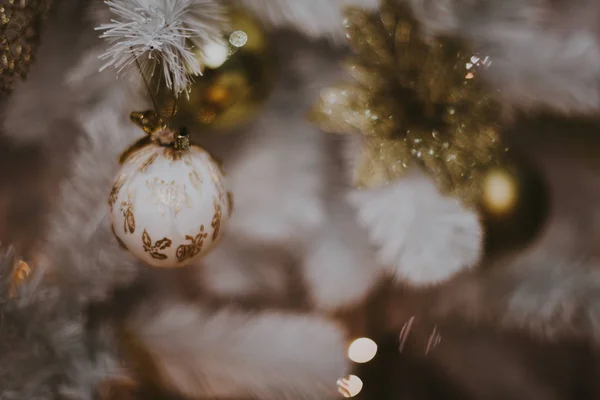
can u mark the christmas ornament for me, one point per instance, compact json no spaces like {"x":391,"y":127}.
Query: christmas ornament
{"x":168,"y":203}
{"x":20,"y":27}
{"x":415,"y":102}
{"x":236,"y":78}
{"x":514,"y":206}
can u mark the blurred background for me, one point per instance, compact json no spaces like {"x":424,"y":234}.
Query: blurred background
{"x":548,"y":209}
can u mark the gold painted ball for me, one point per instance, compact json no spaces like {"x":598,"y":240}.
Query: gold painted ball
{"x":168,"y":207}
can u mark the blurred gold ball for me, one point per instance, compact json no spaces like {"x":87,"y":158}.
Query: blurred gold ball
{"x":500,"y":191}
{"x":514,"y":206}
{"x":236,"y":80}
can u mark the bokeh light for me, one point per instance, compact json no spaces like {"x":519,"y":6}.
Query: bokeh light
{"x":362,"y":350}
{"x":350,"y":386}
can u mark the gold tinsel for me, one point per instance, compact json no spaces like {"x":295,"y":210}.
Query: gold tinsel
{"x":414,"y":100}
{"x":20,"y":26}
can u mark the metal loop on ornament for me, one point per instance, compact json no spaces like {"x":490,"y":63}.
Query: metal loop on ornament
{"x":182,"y":140}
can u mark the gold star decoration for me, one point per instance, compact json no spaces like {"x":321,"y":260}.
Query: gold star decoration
{"x":415,"y":101}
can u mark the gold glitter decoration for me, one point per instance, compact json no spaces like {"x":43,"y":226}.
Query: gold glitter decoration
{"x":415,"y":101}
{"x":20,"y":27}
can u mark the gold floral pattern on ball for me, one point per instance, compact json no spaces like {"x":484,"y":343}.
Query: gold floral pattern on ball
{"x":187,"y":251}
{"x":114,"y":191}
{"x":146,"y":164}
{"x":129,"y":221}
{"x":154,"y":248}
{"x":217,"y":173}
{"x":172,"y":154}
{"x":168,"y":195}
{"x":195,"y":179}
{"x":216,"y":221}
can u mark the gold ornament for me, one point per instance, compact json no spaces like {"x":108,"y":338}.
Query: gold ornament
{"x":415,"y":101}
{"x":514,"y":206}
{"x":20,"y":27}
{"x":168,"y":202}
{"x":500,"y":191}
{"x":235,"y":82}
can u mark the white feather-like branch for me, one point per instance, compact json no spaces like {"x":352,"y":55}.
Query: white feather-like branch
{"x":164,"y":34}
{"x":422,"y":237}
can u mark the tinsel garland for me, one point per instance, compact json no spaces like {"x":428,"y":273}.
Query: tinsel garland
{"x":415,"y":100}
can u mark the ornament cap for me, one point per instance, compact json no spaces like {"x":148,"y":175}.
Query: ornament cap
{"x":182,"y":140}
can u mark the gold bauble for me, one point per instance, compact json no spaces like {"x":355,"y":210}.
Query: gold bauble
{"x":236,"y":80}
{"x":500,"y":191}
{"x":514,"y":206}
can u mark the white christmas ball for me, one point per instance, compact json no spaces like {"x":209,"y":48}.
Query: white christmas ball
{"x":167,"y":206}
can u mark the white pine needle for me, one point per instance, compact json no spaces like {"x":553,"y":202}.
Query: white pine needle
{"x":161,"y":33}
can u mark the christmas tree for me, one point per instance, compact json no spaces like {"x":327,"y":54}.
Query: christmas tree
{"x":279,"y":199}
